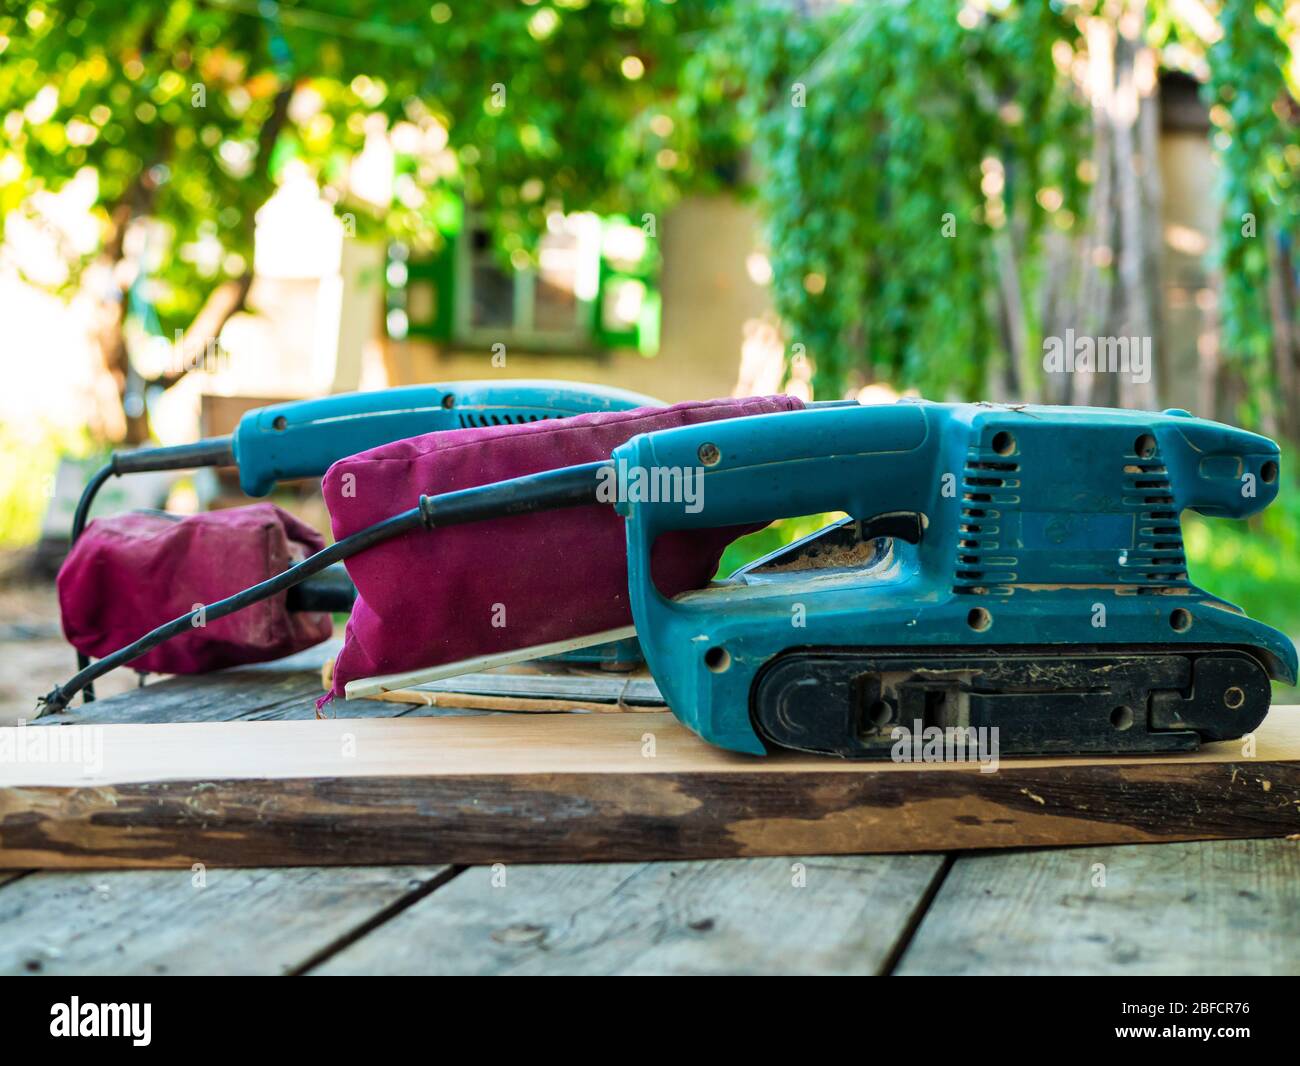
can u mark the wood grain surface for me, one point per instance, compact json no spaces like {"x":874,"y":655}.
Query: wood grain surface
{"x":1216,"y":907}
{"x":173,"y":922}
{"x":564,"y":788}
{"x":840,"y":915}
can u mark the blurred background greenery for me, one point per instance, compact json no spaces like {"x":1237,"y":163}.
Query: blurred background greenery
{"x":861,"y":198}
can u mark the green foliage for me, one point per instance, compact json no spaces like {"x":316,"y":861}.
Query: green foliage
{"x":770,"y":538}
{"x":1253,"y":564}
{"x":28,"y":462}
{"x":1256,"y":143}
{"x":592,"y":118}
{"x":934,"y":136}
{"x":113,"y":87}
{"x":943,"y":110}
{"x":175,"y":104}
{"x":895,"y":143}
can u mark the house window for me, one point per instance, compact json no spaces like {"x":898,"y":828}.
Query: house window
{"x":593,"y":289}
{"x":546,"y":307}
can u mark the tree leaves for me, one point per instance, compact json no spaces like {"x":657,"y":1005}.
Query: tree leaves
{"x":874,"y":126}
{"x":168,"y":100}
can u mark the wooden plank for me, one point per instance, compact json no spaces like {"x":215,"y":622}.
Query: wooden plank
{"x":285,"y":689}
{"x":567,"y":788}
{"x":1219,"y":907}
{"x":839,"y":915}
{"x":165,"y":922}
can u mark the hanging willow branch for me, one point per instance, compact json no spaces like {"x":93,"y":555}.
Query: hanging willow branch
{"x":905,"y":154}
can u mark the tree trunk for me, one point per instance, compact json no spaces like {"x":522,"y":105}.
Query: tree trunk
{"x":1012,"y":315}
{"x":1137,"y":165}
{"x":1281,"y":305}
{"x":226,"y":300}
{"x":1209,"y":363}
{"x":1093,"y":312}
{"x":1120,"y":294}
{"x":110,"y":332}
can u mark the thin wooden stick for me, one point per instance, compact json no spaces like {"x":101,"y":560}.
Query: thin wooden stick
{"x":469,"y":702}
{"x":477,"y":702}
{"x":369,"y":686}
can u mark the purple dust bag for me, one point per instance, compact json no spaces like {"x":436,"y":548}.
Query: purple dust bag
{"x":427,"y":598}
{"x":132,"y":572}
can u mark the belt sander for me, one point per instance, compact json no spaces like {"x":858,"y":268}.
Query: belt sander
{"x":301,"y":439}
{"x":1011,"y":568}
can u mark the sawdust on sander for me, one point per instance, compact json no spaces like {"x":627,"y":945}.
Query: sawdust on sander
{"x":830,"y":557}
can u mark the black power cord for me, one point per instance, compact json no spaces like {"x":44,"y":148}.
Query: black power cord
{"x":572,"y":486}
{"x":79,"y":518}
{"x":214,"y":451}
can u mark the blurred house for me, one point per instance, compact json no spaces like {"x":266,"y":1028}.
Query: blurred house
{"x":679,"y":308}
{"x":664,"y":312}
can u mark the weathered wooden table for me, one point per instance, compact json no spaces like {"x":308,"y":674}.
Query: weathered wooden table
{"x":1224,"y":907}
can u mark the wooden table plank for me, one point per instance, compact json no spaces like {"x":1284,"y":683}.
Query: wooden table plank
{"x":548,"y":788}
{"x":1232,"y":905}
{"x":1217,"y":907}
{"x":161,"y":922}
{"x":286,"y":688}
{"x":719,"y":917}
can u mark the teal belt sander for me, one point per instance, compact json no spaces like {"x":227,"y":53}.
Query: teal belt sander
{"x":1011,"y":568}
{"x":301,"y":439}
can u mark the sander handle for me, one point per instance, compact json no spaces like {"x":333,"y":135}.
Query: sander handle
{"x":304,"y":438}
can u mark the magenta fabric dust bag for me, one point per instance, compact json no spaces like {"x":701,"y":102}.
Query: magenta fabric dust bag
{"x":132,"y":572}
{"x":427,"y":598}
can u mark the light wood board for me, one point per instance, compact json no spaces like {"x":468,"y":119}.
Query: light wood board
{"x":528,"y":788}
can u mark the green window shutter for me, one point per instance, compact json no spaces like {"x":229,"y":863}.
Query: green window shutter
{"x":627,"y":307}
{"x":431,"y":293}
{"x":423,"y":286}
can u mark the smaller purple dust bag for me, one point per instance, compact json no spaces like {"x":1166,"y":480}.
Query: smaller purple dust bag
{"x":133,"y":572}
{"x":428,"y":598}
